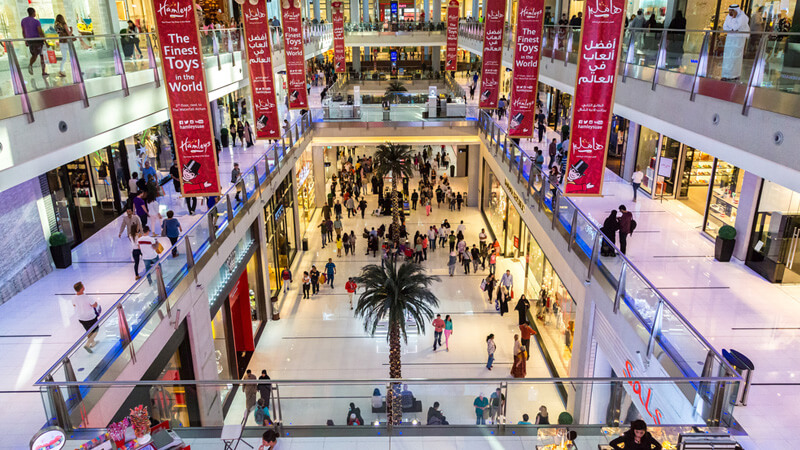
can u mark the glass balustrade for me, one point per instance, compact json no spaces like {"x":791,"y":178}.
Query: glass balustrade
{"x":654,"y":319}
{"x":134,"y":315}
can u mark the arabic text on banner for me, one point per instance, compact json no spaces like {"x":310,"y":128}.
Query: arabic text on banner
{"x":451,"y":54}
{"x":259,"y":59}
{"x":594,"y":96}
{"x":492,"y":52}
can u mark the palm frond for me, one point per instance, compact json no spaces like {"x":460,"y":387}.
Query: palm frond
{"x":393,"y":291}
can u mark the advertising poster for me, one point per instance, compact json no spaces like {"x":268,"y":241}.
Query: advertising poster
{"x":179,"y":42}
{"x":259,"y":60}
{"x":451,"y":54}
{"x":339,"y":55}
{"x":492,"y":52}
{"x":292,"y":21}
{"x":601,"y":40}
{"x":527,"y":54}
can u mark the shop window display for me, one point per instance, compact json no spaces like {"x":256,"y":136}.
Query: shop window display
{"x":773,"y":250}
{"x":724,"y":203}
{"x":495,"y":203}
{"x":646,"y":157}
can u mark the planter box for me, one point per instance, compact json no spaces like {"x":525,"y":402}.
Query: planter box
{"x":723,"y":249}
{"x":62,"y":256}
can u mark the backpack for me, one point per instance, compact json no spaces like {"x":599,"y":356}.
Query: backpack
{"x":633,"y":225}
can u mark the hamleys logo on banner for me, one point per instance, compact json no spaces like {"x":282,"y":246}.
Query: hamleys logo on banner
{"x":262,"y":105}
{"x":292,"y":15}
{"x":194,"y":146}
{"x":522,"y":104}
{"x":174,"y":10}
{"x":530,"y":13}
{"x":602,"y":10}
{"x":495,"y":15}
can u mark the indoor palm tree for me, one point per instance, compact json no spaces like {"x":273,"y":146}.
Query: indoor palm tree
{"x":395,"y":160}
{"x":391,"y":293}
{"x":395,"y":86}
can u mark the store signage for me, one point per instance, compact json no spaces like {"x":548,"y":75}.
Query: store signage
{"x":665,"y":167}
{"x":51,"y":438}
{"x":527,"y":54}
{"x":640,"y":396}
{"x":393,"y":55}
{"x":339,"y":56}
{"x":184,"y":77}
{"x":259,"y":59}
{"x":278,"y":212}
{"x":295,"y":53}
{"x":601,"y":40}
{"x":303,"y":173}
{"x":513,"y":194}
{"x":451,"y":55}
{"x":493,"y":25}
{"x":516,"y":242}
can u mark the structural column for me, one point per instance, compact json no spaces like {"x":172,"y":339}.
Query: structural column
{"x":355,"y":14}
{"x":436,"y":14}
{"x":475,"y":7}
{"x":318,"y":171}
{"x":748,"y":203}
{"x":317,"y":14}
{"x":436,"y":17}
{"x":357,"y":59}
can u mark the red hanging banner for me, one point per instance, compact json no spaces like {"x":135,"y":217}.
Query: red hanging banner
{"x":259,"y":59}
{"x":492,"y":52}
{"x":295,"y":54}
{"x":451,"y":54}
{"x":339,"y":56}
{"x":527,"y":53}
{"x":179,"y":41}
{"x":594,"y":96}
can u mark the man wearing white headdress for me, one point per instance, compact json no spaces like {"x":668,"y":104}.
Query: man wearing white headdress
{"x":737,"y":20}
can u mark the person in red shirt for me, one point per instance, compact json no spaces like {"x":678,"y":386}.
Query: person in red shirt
{"x":526,"y":332}
{"x":438,"y":327}
{"x":351,"y":287}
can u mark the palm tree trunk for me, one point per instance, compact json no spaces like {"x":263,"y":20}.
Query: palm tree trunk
{"x":395,"y":211}
{"x":394,"y":400}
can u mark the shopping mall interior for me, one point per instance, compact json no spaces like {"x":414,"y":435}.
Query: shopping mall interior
{"x":296,"y":252}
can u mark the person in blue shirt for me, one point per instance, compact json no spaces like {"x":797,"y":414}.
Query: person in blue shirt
{"x":525,"y":420}
{"x":149,"y":170}
{"x":330,"y":271}
{"x":171,"y":228}
{"x":481,"y":403}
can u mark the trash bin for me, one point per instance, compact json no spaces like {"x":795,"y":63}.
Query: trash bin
{"x":744,"y":367}
{"x":746,"y":370}
{"x":452,"y":170}
{"x":305,"y":244}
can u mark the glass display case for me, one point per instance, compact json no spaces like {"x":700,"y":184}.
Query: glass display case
{"x":724,"y":202}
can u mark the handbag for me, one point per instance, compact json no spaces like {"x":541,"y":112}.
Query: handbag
{"x":51,"y":56}
{"x":322,"y":278}
{"x":158,"y":247}
{"x":483,"y":284}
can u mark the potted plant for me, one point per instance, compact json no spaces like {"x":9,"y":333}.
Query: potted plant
{"x":60,"y":250}
{"x":724,"y":243}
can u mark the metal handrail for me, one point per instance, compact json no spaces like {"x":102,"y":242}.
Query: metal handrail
{"x":123,"y":383}
{"x":201,"y":220}
{"x":662,"y":298}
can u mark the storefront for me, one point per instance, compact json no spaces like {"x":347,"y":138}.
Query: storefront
{"x":281,"y":244}
{"x":673,"y":170}
{"x":238,"y":309}
{"x":617,"y":140}
{"x":306,"y":194}
{"x":88,"y":193}
{"x":773,"y":250}
{"x":557,"y":104}
{"x":494,"y":205}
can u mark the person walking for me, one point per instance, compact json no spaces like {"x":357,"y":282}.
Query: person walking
{"x":492,"y":262}
{"x":448,"y":330}
{"x":236,"y":174}
{"x":149,"y":247}
{"x":339,"y":246}
{"x":526,"y":332}
{"x":482,"y":236}
{"x":313,"y":275}
{"x":466,"y":259}
{"x":496,"y":404}
{"x":491,"y":282}
{"x":32,"y":30}
{"x":135,"y":231}
{"x":636,"y":181}
{"x":140,"y":207}
{"x":88,"y":311}
{"x":362,"y":205}
{"x":171,"y":228}
{"x":519,"y":369}
{"x":306,"y":284}
{"x":414,"y":198}
{"x":626,"y":226}
{"x":490,"y":349}
{"x":264,"y":389}
{"x":451,"y":263}
{"x":542,"y":418}
{"x":330,"y":269}
{"x":438,"y":328}
{"x":351,"y":287}
{"x":523,"y":305}
{"x":64,"y":32}
{"x":476,"y":258}
{"x":250,"y":390}
{"x":552,"y":151}
{"x":609,"y":230}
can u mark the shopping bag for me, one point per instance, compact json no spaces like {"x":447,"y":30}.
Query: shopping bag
{"x":512,"y":293}
{"x":322,"y":278}
{"x":51,"y":56}
{"x":483,"y":284}
{"x":497,"y":305}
